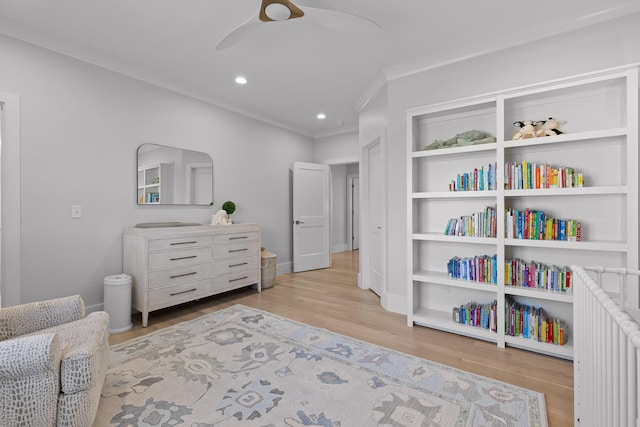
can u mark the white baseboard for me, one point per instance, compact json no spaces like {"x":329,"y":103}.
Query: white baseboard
{"x":93,"y":308}
{"x":339,"y":248}
{"x":284,"y":268}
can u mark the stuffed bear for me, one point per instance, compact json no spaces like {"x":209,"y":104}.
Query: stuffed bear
{"x":527,"y":130}
{"x":549,"y":127}
{"x":220,"y":218}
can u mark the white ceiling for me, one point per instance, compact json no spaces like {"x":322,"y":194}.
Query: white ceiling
{"x":295,"y":68}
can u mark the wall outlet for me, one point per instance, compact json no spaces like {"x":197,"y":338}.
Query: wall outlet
{"x":76,"y":211}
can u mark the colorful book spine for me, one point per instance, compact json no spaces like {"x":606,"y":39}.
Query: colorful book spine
{"x":526,"y":176}
{"x":530,"y":322}
{"x":482,"y":269}
{"x":482,"y":179}
{"x":477,"y":315}
{"x":479,"y":224}
{"x":536,"y":225}
{"x":537,"y":275}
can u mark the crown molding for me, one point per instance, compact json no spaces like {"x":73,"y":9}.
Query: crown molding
{"x":89,"y":56}
{"x":334,"y":132}
{"x":371,"y":91}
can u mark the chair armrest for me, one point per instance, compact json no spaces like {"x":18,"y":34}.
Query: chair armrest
{"x":29,"y":356}
{"x":30,"y":380}
{"x":28,"y":318}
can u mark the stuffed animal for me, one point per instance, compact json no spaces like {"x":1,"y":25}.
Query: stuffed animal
{"x":527,"y":130}
{"x":549,"y":127}
{"x":220,"y":218}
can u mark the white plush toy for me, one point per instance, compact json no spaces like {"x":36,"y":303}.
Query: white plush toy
{"x":221,"y":218}
{"x":550,"y":127}
{"x":527,"y":130}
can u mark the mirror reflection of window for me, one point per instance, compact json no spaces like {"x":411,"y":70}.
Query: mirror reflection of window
{"x":173,"y":176}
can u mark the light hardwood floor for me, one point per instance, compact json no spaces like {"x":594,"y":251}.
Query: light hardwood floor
{"x":331,"y":299}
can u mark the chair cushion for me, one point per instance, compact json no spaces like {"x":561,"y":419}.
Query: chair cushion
{"x":85,"y":348}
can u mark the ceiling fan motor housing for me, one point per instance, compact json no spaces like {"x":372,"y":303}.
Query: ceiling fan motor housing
{"x":279,"y":10}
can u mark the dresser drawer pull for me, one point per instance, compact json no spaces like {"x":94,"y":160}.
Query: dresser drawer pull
{"x":184,"y":243}
{"x":183,"y":292}
{"x":184,"y":257}
{"x":238,"y":265}
{"x":182,"y":275}
{"x":239,"y":278}
{"x":238,"y":238}
{"x":239,"y":250}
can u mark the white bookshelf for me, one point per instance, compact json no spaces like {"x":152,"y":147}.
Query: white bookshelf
{"x":599,"y":112}
{"x":155,"y":184}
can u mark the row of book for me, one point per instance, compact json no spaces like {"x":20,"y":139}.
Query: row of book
{"x":478,"y":315}
{"x":525,"y":176}
{"x":537,"y":275}
{"x":481,"y":268}
{"x":479,"y":224}
{"x":535,"y":225}
{"x":529,"y":322}
{"x":477,"y":180}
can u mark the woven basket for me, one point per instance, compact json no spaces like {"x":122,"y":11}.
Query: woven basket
{"x":268,"y":267}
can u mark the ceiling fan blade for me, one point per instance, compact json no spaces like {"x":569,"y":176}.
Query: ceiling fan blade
{"x":341,"y":21}
{"x":234,"y":36}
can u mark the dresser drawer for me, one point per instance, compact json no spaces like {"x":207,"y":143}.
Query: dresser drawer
{"x":235,"y":280}
{"x":234,"y":250}
{"x":222,"y":239}
{"x":173,"y":276}
{"x":172,"y":259}
{"x":230,"y":265}
{"x":179,"y":243}
{"x":171,"y":295}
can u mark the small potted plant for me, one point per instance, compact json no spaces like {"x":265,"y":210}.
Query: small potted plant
{"x":229,"y":207}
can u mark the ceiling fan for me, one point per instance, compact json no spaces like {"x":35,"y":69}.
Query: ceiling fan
{"x":284,"y":10}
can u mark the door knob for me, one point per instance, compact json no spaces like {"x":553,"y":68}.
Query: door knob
{"x":298,"y":222}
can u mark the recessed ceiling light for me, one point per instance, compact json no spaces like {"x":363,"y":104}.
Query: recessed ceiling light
{"x":241,"y":80}
{"x":322,"y":116}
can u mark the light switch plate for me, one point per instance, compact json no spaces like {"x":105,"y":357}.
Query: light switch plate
{"x":76,"y":211}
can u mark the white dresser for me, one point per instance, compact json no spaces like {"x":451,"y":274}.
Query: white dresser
{"x":173,"y":265}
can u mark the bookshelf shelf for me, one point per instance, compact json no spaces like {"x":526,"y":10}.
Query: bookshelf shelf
{"x":581,"y":191}
{"x":539,"y":294}
{"x":455,"y":150}
{"x":440,"y":237}
{"x":440,"y":278}
{"x":604,"y":246}
{"x":599,"y":116}
{"x":562,"y":351}
{"x":442,"y":320}
{"x":573,"y":137}
{"x":489,"y":194}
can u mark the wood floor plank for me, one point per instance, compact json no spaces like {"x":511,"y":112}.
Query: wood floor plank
{"x":331,"y":299}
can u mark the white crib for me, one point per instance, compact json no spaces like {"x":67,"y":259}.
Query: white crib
{"x":606,"y":344}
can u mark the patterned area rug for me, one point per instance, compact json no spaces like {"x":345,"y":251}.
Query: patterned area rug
{"x":246,"y":367}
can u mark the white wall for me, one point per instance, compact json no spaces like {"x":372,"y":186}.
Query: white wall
{"x":342,"y":148}
{"x":598,"y":47}
{"x":80,"y":128}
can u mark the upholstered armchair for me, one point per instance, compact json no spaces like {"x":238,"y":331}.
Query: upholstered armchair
{"x":53,"y":362}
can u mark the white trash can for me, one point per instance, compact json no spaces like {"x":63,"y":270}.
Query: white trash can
{"x":117,"y":302}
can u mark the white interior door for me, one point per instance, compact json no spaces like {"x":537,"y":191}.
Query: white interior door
{"x":311,"y":249}
{"x":374,"y":200}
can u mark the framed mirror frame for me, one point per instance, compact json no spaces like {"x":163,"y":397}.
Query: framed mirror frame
{"x":173,"y":176}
